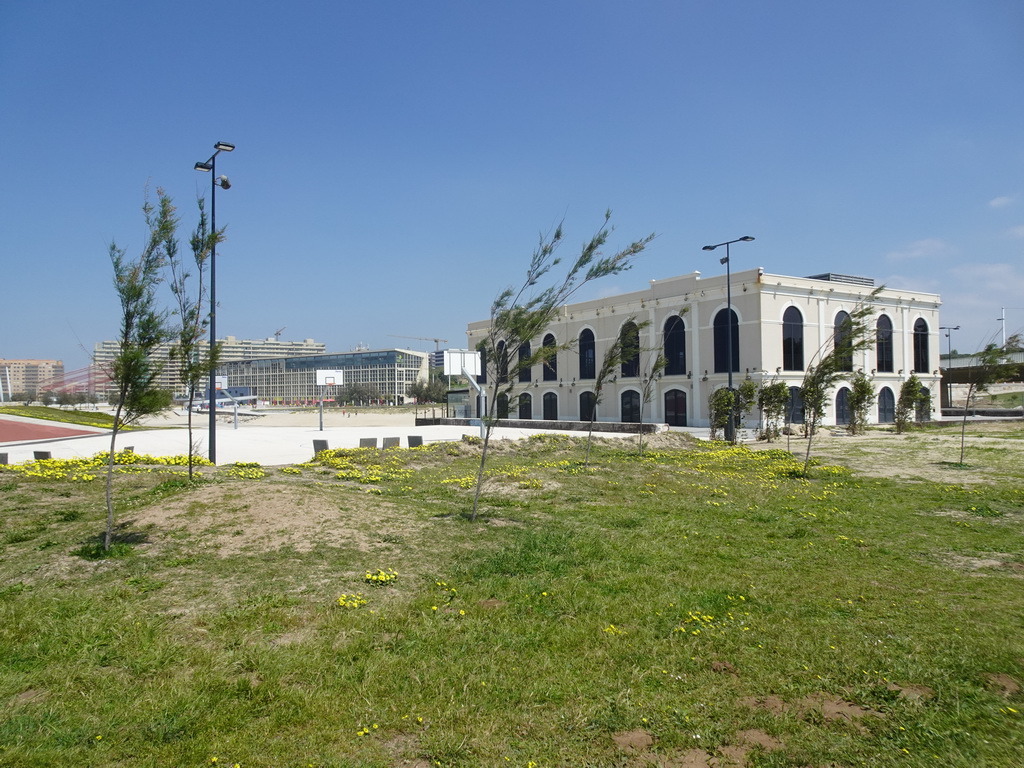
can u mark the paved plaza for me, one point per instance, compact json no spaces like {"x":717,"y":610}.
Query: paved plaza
{"x":274,"y":438}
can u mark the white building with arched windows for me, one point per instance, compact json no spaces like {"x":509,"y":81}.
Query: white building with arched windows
{"x":780,"y":325}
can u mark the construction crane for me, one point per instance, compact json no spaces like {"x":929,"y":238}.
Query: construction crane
{"x":279,"y":331}
{"x":436,"y":341}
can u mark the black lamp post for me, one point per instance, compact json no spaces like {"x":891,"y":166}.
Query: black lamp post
{"x":730,"y":426}
{"x":210,"y":166}
{"x":949,"y":360}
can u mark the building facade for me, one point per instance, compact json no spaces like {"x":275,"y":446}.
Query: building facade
{"x":231,"y":349}
{"x":780,"y":326}
{"x":292,"y":380}
{"x":29,"y":377}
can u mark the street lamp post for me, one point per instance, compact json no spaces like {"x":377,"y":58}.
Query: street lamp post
{"x":949,"y":360}
{"x":730,"y":426}
{"x":210,"y":166}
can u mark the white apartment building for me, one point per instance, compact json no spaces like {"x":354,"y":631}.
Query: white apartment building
{"x":780,"y":324}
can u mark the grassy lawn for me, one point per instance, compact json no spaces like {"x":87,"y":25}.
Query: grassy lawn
{"x":702,"y":605}
{"x":88,"y":418}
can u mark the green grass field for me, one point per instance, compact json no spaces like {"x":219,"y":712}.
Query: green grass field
{"x":702,"y":605}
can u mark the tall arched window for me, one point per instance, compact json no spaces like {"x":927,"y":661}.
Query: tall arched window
{"x":588,"y":404}
{"x":795,"y":406}
{"x":502,"y":362}
{"x":883,"y":346}
{"x":588,"y":355}
{"x":842,"y":336}
{"x":843,"y":406}
{"x":792,"y":340}
{"x":886,"y":406}
{"x":482,"y":349}
{"x":502,"y":406}
{"x":629,"y":338}
{"x":550,"y":406}
{"x":726,"y":326}
{"x":550,"y":359}
{"x":675,"y":408}
{"x":675,"y":346}
{"x":920,"y":346}
{"x":525,"y":406}
{"x":524,"y":355}
{"x":630,"y":402}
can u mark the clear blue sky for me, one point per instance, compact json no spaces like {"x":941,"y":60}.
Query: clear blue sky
{"x":396,"y":161}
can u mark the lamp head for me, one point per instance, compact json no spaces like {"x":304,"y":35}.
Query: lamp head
{"x":222,"y":182}
{"x":709,"y":247}
{"x":724,"y":260}
{"x":746,"y":239}
{"x":204,"y":167}
{"x":223,"y":146}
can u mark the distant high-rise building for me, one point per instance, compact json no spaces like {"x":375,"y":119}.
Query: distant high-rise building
{"x":29,"y":376}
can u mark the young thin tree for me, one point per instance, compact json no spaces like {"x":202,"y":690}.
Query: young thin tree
{"x":648,"y":362}
{"x":143,"y":328}
{"x":862,"y":397}
{"x":196,"y":360}
{"x":832,"y":365}
{"x":610,"y":363}
{"x":520,"y":315}
{"x":991,"y":367}
{"x":772,"y":400}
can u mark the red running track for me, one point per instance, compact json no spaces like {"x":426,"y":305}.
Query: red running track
{"x":17,"y":431}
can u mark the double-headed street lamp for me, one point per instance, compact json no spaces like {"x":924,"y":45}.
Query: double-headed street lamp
{"x":730,"y":427}
{"x":949,"y":360}
{"x":210,"y":166}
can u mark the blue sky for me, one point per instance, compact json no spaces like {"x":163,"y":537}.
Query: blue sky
{"x":397,"y":161}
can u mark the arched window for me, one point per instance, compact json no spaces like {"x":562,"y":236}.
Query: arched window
{"x":588,"y":405}
{"x":525,"y":406}
{"x":843,"y":406}
{"x":924,"y":405}
{"x":886,"y":406}
{"x":629,"y":338}
{"x":482,"y":349}
{"x":795,"y":407}
{"x":883,"y":346}
{"x":588,"y":355}
{"x":920,"y":346}
{"x":675,"y":346}
{"x":630,"y":402}
{"x":842,"y":336}
{"x":550,"y":406}
{"x":675,"y":408}
{"x":792,"y":340}
{"x":502,"y":362}
{"x":726,"y":328}
{"x":503,"y":406}
{"x":524,"y":355}
{"x":550,"y":359}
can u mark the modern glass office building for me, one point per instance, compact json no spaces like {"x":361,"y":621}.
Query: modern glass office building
{"x":292,"y":380}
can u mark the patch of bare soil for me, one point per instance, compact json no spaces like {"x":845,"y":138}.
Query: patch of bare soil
{"x":820,"y":705}
{"x":912,"y":455}
{"x":228,"y":522}
{"x":913,"y":692}
{"x":975,"y":564}
{"x":1002,"y":684}
{"x":633,"y":741}
{"x":729,"y":756}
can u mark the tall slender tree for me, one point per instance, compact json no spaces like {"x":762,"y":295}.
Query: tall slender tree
{"x":519,"y":315}
{"x":832,"y":362}
{"x":992,"y":365}
{"x":196,"y":359}
{"x":144,"y":327}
